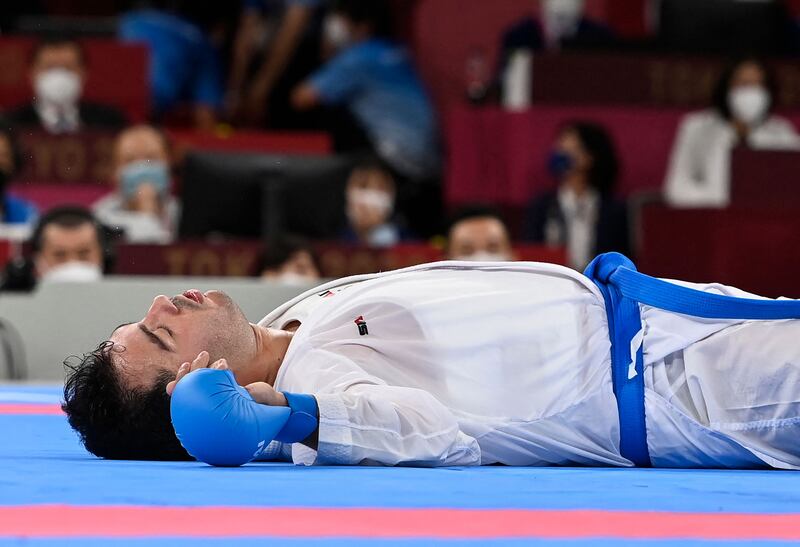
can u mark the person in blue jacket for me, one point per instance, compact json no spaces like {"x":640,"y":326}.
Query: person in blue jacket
{"x":373,"y":79}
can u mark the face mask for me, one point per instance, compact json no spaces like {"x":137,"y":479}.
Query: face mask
{"x":484,"y":256}
{"x":383,"y":236}
{"x":561,"y":17}
{"x":749,"y":104}
{"x":559,"y":163}
{"x":137,"y":173}
{"x":379,"y":201}
{"x":73,"y":272}
{"x":335,"y":31}
{"x":58,"y":86}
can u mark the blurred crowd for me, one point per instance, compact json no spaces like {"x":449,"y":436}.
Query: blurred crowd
{"x":344,"y":67}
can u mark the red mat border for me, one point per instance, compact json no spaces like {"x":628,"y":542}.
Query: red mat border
{"x":30,"y":409}
{"x":148,"y":521}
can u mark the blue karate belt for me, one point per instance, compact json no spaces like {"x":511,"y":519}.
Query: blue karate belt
{"x":623,"y":290}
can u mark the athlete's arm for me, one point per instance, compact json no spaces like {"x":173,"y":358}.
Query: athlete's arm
{"x":364,"y":420}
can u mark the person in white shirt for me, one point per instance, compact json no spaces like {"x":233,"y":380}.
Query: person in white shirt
{"x":699,"y":168}
{"x":141,"y":204}
{"x":457,"y":363}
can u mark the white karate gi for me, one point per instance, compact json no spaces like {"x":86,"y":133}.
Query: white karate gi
{"x":458,"y":363}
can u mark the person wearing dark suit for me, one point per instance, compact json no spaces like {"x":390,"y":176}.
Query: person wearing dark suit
{"x":57,"y":71}
{"x":581,"y":214}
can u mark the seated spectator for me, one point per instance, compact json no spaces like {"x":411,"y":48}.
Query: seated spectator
{"x":290,"y":261}
{"x":370,"y":200}
{"x":141,"y":203}
{"x":15,"y":210}
{"x":561,"y":24}
{"x":68,"y":245}
{"x":699,"y":167}
{"x":374,"y":80}
{"x":478,"y":233}
{"x":57,"y":73}
{"x":581,"y":214}
{"x":184,"y":65}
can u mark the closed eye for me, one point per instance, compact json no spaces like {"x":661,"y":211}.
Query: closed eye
{"x":153,"y":338}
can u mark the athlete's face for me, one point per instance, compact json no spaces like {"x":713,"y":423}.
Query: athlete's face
{"x":175,"y":330}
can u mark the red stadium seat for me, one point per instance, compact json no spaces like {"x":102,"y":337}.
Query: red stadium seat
{"x":267,"y":142}
{"x":47,"y":196}
{"x":751,"y":249}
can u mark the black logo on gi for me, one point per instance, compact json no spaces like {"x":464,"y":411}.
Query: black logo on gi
{"x":362,"y":325}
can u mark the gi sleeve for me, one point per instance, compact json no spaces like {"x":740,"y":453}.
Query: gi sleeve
{"x":362,"y":420}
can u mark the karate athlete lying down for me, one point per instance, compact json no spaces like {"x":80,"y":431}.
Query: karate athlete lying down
{"x":457,"y":363}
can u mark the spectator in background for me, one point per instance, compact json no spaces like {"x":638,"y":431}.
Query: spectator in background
{"x":277,"y":44}
{"x":561,"y":25}
{"x":290,"y":261}
{"x":370,"y":199}
{"x":141,"y":203}
{"x":581,"y":214}
{"x":68,"y":245}
{"x":15,"y":210}
{"x":699,"y":169}
{"x":478,"y":233}
{"x":57,"y":73}
{"x":184,"y":64}
{"x":374,"y":80}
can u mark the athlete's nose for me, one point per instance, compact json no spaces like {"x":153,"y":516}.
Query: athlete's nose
{"x":161,"y":306}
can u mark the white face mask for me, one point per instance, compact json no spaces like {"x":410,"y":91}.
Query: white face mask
{"x":484,"y":256}
{"x":59,"y":86}
{"x":749,"y":103}
{"x":379,"y":201}
{"x":73,"y":272}
{"x":561,"y":17}
{"x":336,"y":32}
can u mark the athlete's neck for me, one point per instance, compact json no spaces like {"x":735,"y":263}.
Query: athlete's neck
{"x":271,"y":348}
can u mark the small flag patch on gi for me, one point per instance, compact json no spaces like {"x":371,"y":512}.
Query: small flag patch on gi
{"x":362,"y":325}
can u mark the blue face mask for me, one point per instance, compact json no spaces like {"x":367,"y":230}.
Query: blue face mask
{"x":137,"y":173}
{"x":559,"y":163}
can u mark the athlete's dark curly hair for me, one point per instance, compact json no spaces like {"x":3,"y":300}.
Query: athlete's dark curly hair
{"x":116,"y":422}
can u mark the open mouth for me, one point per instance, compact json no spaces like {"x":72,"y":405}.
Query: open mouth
{"x":194,"y":295}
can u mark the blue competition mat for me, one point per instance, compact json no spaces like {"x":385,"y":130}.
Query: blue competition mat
{"x":45,"y":473}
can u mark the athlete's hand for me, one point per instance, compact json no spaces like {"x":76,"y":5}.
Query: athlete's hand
{"x":201,"y":361}
{"x":263,"y":393}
